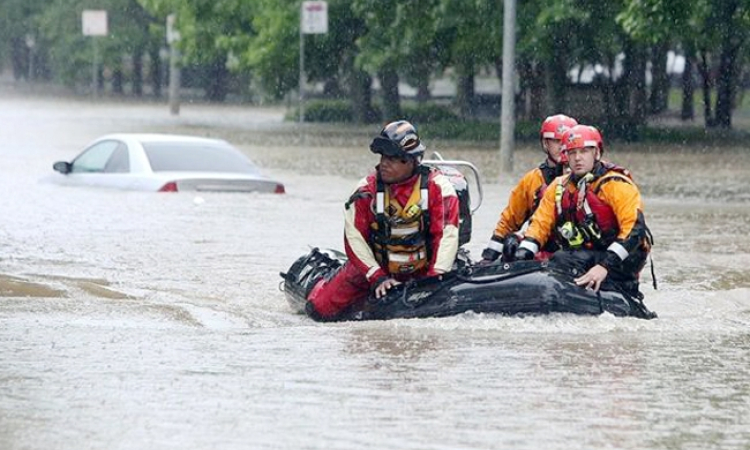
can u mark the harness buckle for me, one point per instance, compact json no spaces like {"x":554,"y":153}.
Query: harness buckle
{"x":591,"y":230}
{"x":572,"y":234}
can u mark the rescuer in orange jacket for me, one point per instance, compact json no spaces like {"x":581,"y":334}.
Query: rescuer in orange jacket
{"x":525,"y":197}
{"x":401,"y":223}
{"x":594,"y":214}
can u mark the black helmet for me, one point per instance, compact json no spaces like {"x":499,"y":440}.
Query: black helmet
{"x":398,"y":138}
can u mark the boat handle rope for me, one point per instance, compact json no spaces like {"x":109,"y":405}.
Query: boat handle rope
{"x":499,"y":277}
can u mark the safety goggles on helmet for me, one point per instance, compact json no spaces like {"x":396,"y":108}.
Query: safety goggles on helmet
{"x":386,"y":147}
{"x":398,"y":139}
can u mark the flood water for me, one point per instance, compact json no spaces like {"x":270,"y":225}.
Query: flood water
{"x":136,"y":320}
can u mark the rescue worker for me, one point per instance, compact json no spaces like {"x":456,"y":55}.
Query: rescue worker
{"x":595,"y":215}
{"x":525,"y":197}
{"x":401,"y":223}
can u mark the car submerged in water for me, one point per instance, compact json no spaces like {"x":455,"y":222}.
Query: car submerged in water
{"x":164,"y":163}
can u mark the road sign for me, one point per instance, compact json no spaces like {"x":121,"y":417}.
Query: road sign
{"x":314,"y":17}
{"x":94,"y":22}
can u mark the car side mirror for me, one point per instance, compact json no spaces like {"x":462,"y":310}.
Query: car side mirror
{"x":62,"y":166}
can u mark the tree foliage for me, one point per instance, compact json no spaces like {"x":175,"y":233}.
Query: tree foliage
{"x":255,"y":44}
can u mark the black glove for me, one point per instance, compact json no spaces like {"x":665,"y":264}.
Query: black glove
{"x":490,"y":255}
{"x":510,"y":247}
{"x":524,"y":254}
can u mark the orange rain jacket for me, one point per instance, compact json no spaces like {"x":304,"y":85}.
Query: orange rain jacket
{"x":524,"y":200}
{"x":615,"y":190}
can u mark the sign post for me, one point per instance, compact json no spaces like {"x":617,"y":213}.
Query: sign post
{"x":507,"y":113}
{"x":30,"y":43}
{"x":94,"y":23}
{"x":313,"y":20}
{"x":174,"y":67}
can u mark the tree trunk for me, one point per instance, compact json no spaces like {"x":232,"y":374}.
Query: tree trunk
{"x":630,"y":93}
{"x":526,"y":79}
{"x":361,"y":86}
{"x":331,"y":87}
{"x":725,"y":87}
{"x":138,"y":72}
{"x":155,"y":71}
{"x":688,"y":110}
{"x":705,"y":71}
{"x":638,"y":83}
{"x":732,"y":37}
{"x":117,"y":80}
{"x":465,"y":88}
{"x":420,"y":75}
{"x":556,"y":80}
{"x":423,"y":91}
{"x":607,"y":88}
{"x":659,"y":79}
{"x":389,"y":88}
{"x":216,"y":85}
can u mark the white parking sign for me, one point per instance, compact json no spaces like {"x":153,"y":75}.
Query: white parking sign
{"x":94,"y":22}
{"x":314,"y":17}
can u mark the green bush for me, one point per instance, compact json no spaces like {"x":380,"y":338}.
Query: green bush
{"x":460,"y":130}
{"x":478,"y":130}
{"x":341,"y":111}
{"x":428,"y":113}
{"x":326,"y":111}
{"x":432,"y":120}
{"x":331,"y":111}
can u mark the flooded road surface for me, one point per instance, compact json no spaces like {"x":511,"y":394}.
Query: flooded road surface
{"x":137,"y":320}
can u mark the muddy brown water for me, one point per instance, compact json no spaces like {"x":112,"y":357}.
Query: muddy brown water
{"x":139,"y":320}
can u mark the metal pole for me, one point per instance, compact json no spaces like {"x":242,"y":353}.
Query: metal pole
{"x":95,"y":72}
{"x":174,"y":80}
{"x":507,"y":117}
{"x":301,"y":84}
{"x":31,"y":64}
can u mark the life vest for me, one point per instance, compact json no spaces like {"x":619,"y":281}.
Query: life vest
{"x":583,"y":220}
{"x":399,"y":232}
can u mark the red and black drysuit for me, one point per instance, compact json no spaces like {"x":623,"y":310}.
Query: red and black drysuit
{"x":372,"y":241}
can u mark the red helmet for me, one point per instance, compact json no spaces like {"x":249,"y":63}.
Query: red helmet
{"x":554,"y":126}
{"x":581,"y":136}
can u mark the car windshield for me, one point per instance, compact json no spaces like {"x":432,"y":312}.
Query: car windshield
{"x":197,"y":157}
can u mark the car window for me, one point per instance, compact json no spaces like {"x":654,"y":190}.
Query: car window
{"x":119,"y":162}
{"x":95,"y":157}
{"x":192,"y":157}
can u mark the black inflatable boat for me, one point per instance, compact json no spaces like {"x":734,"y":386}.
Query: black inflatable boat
{"x":524,"y":287}
{"x":527,"y":287}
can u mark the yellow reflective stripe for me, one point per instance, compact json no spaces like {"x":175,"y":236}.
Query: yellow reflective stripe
{"x":559,"y":190}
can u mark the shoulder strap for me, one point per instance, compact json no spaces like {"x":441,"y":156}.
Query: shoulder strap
{"x":559,"y":191}
{"x":424,"y":184}
{"x":383,"y":230}
{"x":610,"y":176}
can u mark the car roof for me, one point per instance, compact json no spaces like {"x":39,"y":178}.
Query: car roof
{"x":159,"y":137}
